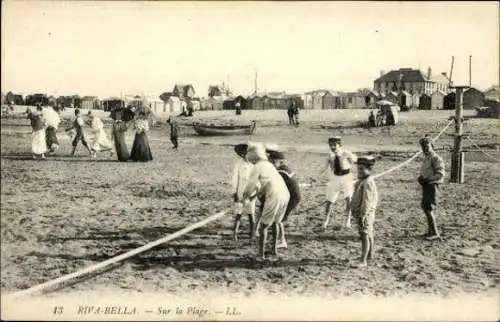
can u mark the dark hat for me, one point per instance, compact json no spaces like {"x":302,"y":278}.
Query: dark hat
{"x":335,"y":139}
{"x":275,"y":155}
{"x":368,"y":161}
{"x":241,"y":149}
{"x":425,"y":140}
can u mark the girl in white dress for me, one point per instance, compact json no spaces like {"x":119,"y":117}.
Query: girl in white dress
{"x":265,"y":180}
{"x":100,"y":141}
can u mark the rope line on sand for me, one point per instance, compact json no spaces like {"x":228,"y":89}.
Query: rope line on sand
{"x":481,"y":150}
{"x":389,"y":170}
{"x":120,"y":257}
{"x":414,"y":156}
{"x":165,"y":239}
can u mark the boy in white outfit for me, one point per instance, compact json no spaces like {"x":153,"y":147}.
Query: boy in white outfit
{"x":339,"y":165}
{"x":241,"y":174}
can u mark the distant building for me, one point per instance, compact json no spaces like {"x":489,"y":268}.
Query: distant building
{"x":473,"y":98}
{"x":332,"y":100}
{"x":355,"y":100}
{"x":425,"y":102}
{"x":90,"y":103}
{"x":108,"y":104}
{"x":219,"y":91}
{"x":269,"y":100}
{"x":308,"y":100}
{"x":437,"y":100}
{"x":492,"y":93}
{"x":184,"y":91}
{"x":412,"y":82}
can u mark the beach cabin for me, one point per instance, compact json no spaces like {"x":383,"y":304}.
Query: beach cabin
{"x":437,"y":100}
{"x":174,"y":105}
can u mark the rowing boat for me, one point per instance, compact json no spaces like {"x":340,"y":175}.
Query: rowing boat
{"x":212,"y":129}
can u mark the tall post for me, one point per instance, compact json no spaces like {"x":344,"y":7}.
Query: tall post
{"x":457,"y":158}
{"x":470,"y":71}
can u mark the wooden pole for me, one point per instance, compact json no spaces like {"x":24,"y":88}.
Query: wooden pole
{"x":457,"y":158}
{"x":470,"y":71}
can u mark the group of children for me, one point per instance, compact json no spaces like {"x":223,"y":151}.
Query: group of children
{"x":262,"y":174}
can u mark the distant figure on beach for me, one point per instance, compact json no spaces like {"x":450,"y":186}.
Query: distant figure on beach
{"x":183,"y":108}
{"x":140,"y":148}
{"x":291,"y":115}
{"x":119,"y":129}
{"x":372,"y":119}
{"x":431,"y":177}
{"x":78,"y":124}
{"x":52,"y":121}
{"x":238,"y":108}
{"x":174,"y":131}
{"x":296,"y":111}
{"x":99,"y":142}
{"x":38,"y":143}
{"x":190,"y":108}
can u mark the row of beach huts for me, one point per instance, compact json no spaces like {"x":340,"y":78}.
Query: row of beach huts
{"x":406,"y":87}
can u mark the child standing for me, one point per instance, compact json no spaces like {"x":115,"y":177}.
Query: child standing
{"x":241,"y":174}
{"x":78,"y":124}
{"x":174,"y":131}
{"x":363,"y":206}
{"x":292,"y":183}
{"x":339,"y":164}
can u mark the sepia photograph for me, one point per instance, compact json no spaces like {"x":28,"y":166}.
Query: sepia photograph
{"x":250,"y":160}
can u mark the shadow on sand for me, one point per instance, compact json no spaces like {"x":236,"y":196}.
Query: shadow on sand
{"x":57,"y":157}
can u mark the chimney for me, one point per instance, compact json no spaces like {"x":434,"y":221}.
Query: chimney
{"x":429,"y":72}
{"x":382,"y":73}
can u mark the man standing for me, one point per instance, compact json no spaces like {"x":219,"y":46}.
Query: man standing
{"x":291,"y":114}
{"x":296,"y":111}
{"x":174,"y":131}
{"x":339,"y":164}
{"x":431,"y":176}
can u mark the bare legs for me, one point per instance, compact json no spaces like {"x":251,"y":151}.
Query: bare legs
{"x":281,"y":236}
{"x":432,"y":231}
{"x":328,"y":208}
{"x":251,"y":218}
{"x":263,"y":239}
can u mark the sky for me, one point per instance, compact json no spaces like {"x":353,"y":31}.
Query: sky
{"x":145,"y":48}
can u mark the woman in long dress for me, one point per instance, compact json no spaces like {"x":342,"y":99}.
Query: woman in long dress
{"x":118,"y":133}
{"x":100,"y":141}
{"x":140,"y":148}
{"x":266,"y":181}
{"x":38,"y":143}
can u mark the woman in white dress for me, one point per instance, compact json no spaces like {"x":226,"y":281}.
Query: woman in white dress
{"x":265,"y":181}
{"x":38,"y":144}
{"x":100,"y":141}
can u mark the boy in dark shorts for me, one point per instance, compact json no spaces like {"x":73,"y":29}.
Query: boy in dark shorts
{"x":363,"y":207}
{"x":278,"y":160}
{"x":431,"y":177}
